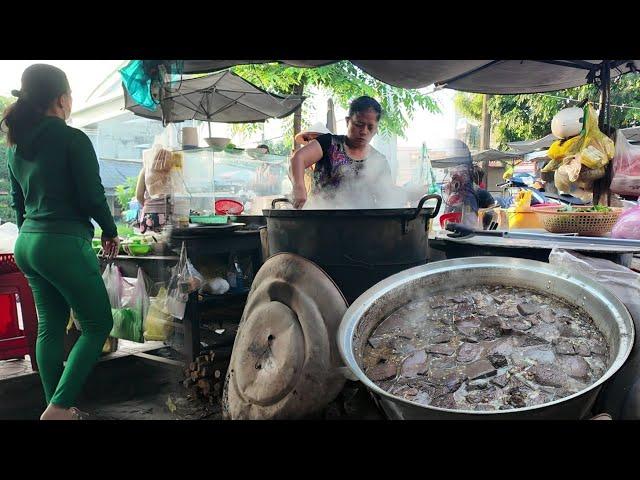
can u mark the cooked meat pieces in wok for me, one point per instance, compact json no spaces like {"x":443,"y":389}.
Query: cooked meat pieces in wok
{"x":486,"y":348}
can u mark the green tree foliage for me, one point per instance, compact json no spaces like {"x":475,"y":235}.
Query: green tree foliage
{"x":525,"y":117}
{"x":7,"y":214}
{"x":343,"y":82}
{"x":126,"y":191}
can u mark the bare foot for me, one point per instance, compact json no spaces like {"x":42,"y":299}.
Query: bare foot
{"x":54,"y":412}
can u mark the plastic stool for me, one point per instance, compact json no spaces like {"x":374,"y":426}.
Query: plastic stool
{"x":25,"y":341}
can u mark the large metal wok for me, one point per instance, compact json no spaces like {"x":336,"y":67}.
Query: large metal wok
{"x":356,"y":247}
{"x":377,"y":303}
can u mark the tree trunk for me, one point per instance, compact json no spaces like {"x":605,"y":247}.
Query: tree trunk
{"x":297,"y":116}
{"x":485,"y":139}
{"x":331,"y":116}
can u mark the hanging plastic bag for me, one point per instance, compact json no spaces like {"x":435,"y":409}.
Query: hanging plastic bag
{"x":596,"y":149}
{"x":628,"y":225}
{"x":113,"y":283}
{"x":561,"y":149}
{"x":128,"y":320}
{"x":138,"y":84}
{"x":620,"y":396}
{"x":592,"y":147}
{"x":157,"y":163}
{"x":626,"y":167}
{"x":158,"y":324}
{"x":184,"y":280}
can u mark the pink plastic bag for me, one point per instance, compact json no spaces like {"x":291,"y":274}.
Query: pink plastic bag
{"x":626,"y":168}
{"x":628,"y":225}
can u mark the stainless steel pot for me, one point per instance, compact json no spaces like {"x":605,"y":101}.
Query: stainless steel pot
{"x":377,"y":303}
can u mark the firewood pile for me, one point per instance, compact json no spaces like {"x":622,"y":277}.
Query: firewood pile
{"x":205,"y":378}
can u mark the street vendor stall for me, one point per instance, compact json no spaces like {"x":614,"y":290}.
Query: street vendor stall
{"x":473,"y":338}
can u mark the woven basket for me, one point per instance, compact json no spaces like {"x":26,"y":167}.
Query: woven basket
{"x":591,"y":224}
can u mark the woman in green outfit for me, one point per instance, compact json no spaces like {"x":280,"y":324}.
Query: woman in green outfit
{"x":56,"y":190}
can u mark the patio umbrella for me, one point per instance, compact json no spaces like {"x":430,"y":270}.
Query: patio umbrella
{"x":527,"y":146}
{"x":632,"y":134}
{"x":222,"y":97}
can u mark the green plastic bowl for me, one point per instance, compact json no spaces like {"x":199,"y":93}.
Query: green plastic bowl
{"x":135,"y":249}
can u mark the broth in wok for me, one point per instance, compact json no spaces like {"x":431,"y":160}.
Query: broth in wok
{"x":486,"y":348}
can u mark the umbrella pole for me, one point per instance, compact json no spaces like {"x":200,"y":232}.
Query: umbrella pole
{"x":605,"y":93}
{"x":601,"y":187}
{"x":209,"y":125}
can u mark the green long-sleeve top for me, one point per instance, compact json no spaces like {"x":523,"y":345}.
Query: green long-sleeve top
{"x":55,"y":182}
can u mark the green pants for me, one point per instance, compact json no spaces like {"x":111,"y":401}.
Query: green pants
{"x":63,"y":272}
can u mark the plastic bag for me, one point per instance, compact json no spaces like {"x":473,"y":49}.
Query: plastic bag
{"x":523,"y":201}
{"x":592,"y":147}
{"x":157,"y":163}
{"x":565,"y":179}
{"x":158,"y":324}
{"x":8,"y":236}
{"x":620,"y":396}
{"x":128,"y":320}
{"x":114,"y":285}
{"x":138,"y":82}
{"x":628,"y":225}
{"x":561,"y":149}
{"x":596,"y":149}
{"x":184,"y":280}
{"x":626,"y":167}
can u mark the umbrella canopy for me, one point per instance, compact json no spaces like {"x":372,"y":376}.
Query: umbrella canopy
{"x":480,"y":76}
{"x":491,"y":155}
{"x":222,"y":97}
{"x":527,"y":146}
{"x":632,"y":134}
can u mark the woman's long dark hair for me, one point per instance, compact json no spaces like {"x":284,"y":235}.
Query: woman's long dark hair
{"x":41,"y":85}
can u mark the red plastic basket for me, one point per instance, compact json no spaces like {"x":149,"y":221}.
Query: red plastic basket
{"x":455,"y":217}
{"x":227,"y":206}
{"x":8,"y":263}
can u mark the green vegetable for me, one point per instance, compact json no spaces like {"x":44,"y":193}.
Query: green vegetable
{"x":595,"y":208}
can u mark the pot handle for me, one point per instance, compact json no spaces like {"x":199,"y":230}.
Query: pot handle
{"x":421,"y":203}
{"x":279,"y":200}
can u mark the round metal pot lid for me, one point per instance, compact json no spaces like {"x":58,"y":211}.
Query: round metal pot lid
{"x":285,"y":362}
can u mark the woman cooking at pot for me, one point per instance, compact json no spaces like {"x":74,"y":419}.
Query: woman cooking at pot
{"x":347,"y":167}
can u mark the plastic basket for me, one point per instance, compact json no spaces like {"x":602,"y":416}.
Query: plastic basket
{"x":591,"y":224}
{"x":8,"y":264}
{"x":226,"y":206}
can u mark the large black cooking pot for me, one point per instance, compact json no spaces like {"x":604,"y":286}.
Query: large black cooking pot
{"x":357,"y":248}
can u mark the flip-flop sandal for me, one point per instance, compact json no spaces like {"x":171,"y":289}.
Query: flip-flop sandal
{"x":79,"y":415}
{"x":602,"y":416}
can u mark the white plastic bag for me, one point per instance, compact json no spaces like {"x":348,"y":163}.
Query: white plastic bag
{"x":114,"y":285}
{"x":184,"y":280}
{"x":8,"y":237}
{"x":128,"y":320}
{"x":626,"y":167}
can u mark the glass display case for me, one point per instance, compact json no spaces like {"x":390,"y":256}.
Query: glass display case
{"x":209,"y":175}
